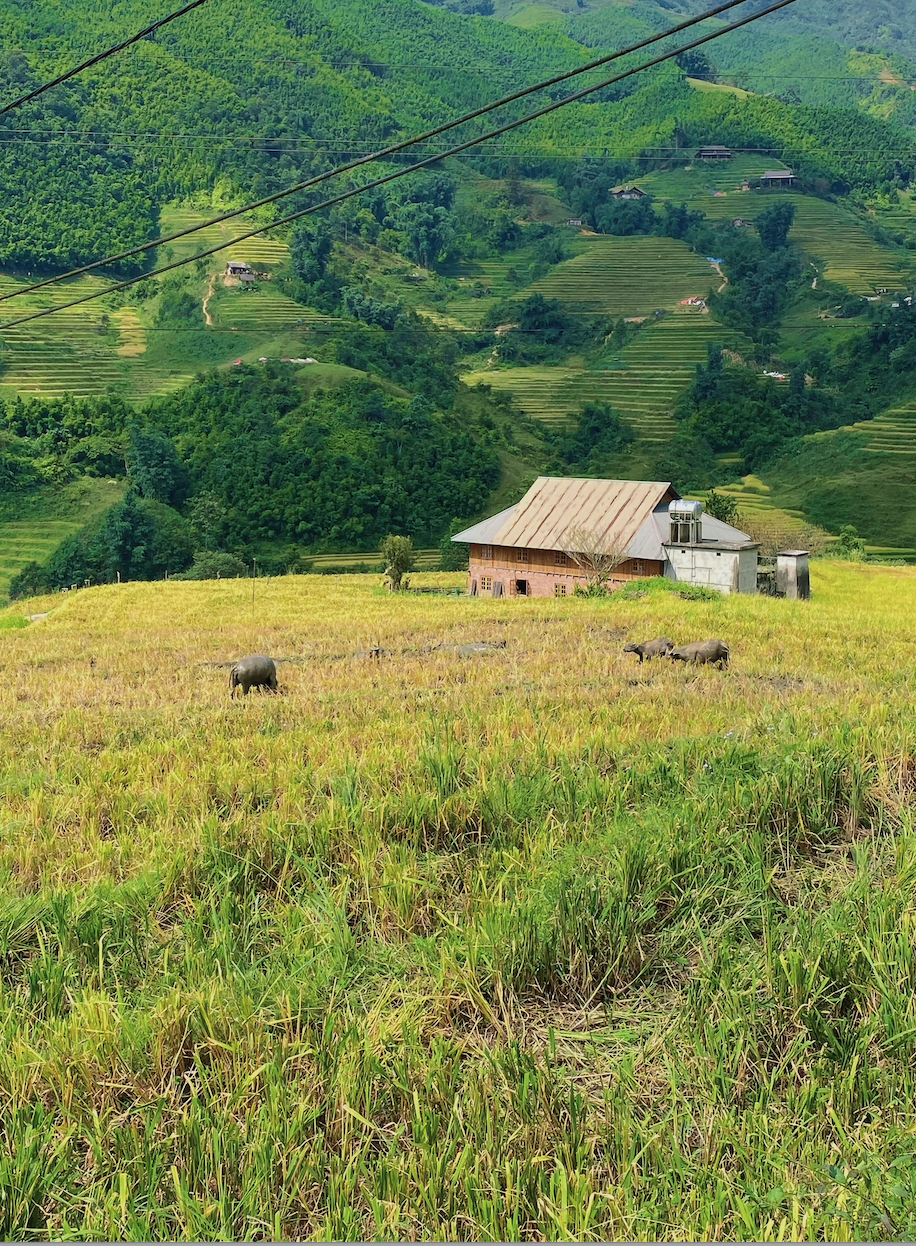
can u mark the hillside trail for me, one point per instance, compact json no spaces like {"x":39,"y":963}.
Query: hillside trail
{"x":724,"y":286}
{"x":211,"y":289}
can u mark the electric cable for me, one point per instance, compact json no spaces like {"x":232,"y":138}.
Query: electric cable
{"x":101,"y":56}
{"x":403,"y":144}
{"x":382,"y":181}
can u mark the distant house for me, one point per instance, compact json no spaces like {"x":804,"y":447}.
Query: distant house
{"x":247,"y":279}
{"x":525,"y":551}
{"x":740,"y":223}
{"x":238,"y":268}
{"x":779,"y":177}
{"x":627,"y":192}
{"x":745,"y":185}
{"x":714,"y":153}
{"x":574,"y":221}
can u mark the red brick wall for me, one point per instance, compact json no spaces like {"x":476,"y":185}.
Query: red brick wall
{"x":541,"y":573}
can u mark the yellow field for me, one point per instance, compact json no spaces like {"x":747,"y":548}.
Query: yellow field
{"x":529,"y":943}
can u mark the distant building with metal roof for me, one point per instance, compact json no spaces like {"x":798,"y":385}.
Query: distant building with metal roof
{"x":714,"y":153}
{"x":778,"y":177}
{"x":541,"y":547}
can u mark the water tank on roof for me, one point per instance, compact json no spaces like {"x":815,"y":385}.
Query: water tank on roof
{"x":686,"y":522}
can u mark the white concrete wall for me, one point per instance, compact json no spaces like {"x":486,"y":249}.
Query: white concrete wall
{"x":729,"y":571}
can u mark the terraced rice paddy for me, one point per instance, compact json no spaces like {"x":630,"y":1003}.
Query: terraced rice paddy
{"x":426,"y":559}
{"x":30,"y":541}
{"x":254,"y":251}
{"x":627,"y":277}
{"x":830,"y":234}
{"x":892,"y":432}
{"x":655,"y":369}
{"x":260,"y":310}
{"x":70,"y":352}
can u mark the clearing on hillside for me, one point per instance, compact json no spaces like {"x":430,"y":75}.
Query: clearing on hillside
{"x":644,"y":382}
{"x":474,"y":920}
{"x":627,"y":277}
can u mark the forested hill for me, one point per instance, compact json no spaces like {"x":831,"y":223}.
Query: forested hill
{"x":239,"y":99}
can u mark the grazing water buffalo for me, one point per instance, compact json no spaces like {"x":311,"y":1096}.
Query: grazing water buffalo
{"x":255,"y":671}
{"x":651,"y":649}
{"x":703,"y":653}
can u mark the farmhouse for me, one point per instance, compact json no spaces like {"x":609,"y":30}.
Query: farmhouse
{"x":779,"y":177}
{"x":542,"y":546}
{"x":627,"y":192}
{"x":237,"y":268}
{"x":714,"y":153}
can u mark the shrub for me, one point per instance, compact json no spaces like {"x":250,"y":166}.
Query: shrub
{"x":214,"y":565}
{"x":398,"y":554}
{"x":32,"y":581}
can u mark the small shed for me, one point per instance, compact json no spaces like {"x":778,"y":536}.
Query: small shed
{"x":778,"y":177}
{"x":714,"y":153}
{"x":793,"y":576}
{"x":574,"y":221}
{"x":247,"y":279}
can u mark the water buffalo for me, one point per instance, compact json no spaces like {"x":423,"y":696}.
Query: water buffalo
{"x":255,"y":671}
{"x":651,"y":649}
{"x":704,"y":652}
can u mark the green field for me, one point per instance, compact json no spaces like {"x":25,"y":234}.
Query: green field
{"x":32,"y":528}
{"x":628,"y":277}
{"x":103,"y":347}
{"x":651,"y":374}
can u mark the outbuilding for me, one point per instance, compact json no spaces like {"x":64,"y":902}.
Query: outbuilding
{"x":784,"y":178}
{"x":714,"y":153}
{"x":536,"y":548}
{"x":627,"y":192}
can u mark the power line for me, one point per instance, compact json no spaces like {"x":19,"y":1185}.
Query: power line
{"x":394,"y":148}
{"x":101,"y":56}
{"x":399,"y":173}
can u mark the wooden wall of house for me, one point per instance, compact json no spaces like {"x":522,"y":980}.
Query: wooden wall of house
{"x":489,"y":558}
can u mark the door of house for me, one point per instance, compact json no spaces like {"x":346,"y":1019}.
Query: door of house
{"x":521,"y":588}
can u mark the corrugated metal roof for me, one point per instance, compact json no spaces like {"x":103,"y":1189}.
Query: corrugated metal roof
{"x":614,"y":510}
{"x":485,"y":532}
{"x":629,"y":514}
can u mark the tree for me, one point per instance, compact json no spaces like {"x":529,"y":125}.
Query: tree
{"x":214,"y":565}
{"x":207,"y":518}
{"x":125,"y":539}
{"x":721,"y":506}
{"x":311,"y":250}
{"x":453,"y":556}
{"x":156,"y":467}
{"x":596,"y":555}
{"x":849,"y":544}
{"x":773,"y":225}
{"x":398,"y":553}
{"x":32,"y":581}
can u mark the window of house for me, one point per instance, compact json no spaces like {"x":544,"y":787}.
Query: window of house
{"x":559,"y":590}
{"x":639,"y":566}
{"x":560,"y":559}
{"x":486,"y":551}
{"x":521,"y":555}
{"x":486,"y":583}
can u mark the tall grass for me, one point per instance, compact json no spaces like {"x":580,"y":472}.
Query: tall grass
{"x":534,"y":944}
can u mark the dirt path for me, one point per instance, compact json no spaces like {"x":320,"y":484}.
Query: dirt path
{"x":724,"y":286}
{"x":205,"y":305}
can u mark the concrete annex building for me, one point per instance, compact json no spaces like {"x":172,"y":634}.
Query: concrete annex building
{"x":521,"y":552}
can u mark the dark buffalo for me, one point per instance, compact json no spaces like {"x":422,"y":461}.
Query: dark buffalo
{"x":651,"y":649}
{"x":703,"y":653}
{"x":255,"y":671}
